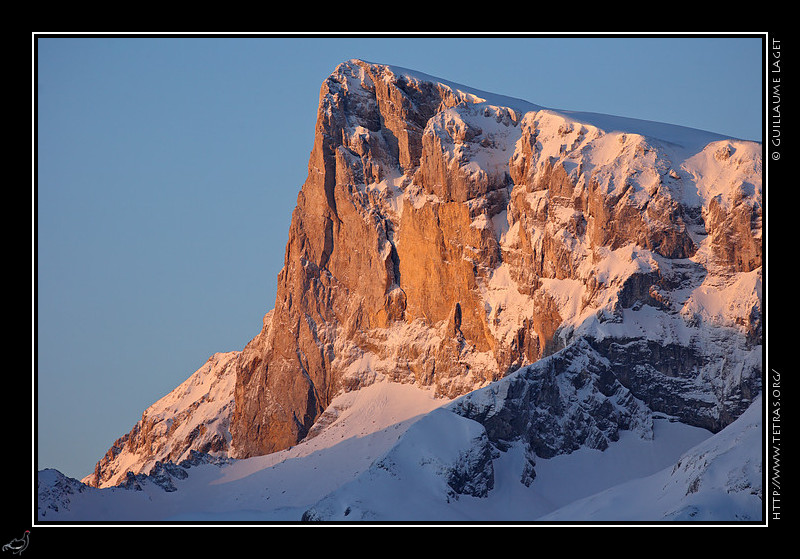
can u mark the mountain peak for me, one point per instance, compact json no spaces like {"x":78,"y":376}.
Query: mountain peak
{"x":447,"y":236}
{"x":454,"y":240}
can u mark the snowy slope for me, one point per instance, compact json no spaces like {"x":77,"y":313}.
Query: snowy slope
{"x":720,"y":479}
{"x":389,"y":454}
{"x":278,"y":486}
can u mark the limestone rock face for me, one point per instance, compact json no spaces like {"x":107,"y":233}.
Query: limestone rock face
{"x":450,"y":238}
{"x":447,"y":237}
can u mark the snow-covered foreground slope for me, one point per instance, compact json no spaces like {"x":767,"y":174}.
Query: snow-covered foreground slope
{"x":392,"y":452}
{"x":720,"y":479}
{"x":279,"y":486}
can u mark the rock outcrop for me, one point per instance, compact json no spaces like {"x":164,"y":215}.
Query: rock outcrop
{"x":192,"y":418}
{"x":566,"y":401}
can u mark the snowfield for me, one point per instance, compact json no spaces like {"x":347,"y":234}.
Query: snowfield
{"x":390,"y":450}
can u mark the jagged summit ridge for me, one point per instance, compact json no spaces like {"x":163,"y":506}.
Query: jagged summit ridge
{"x":446,"y":237}
{"x":691,"y":138}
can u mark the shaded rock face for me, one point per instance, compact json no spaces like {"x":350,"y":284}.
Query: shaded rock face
{"x":566,"y":401}
{"x":54,"y":491}
{"x":447,"y":240}
{"x":165,"y":474}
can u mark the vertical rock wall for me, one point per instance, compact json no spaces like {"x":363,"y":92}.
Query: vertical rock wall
{"x":445,"y":240}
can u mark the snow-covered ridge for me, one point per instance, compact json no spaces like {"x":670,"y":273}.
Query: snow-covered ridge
{"x":195,"y":416}
{"x":683,"y":136}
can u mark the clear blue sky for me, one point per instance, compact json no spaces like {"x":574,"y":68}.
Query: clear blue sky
{"x":168,"y":169}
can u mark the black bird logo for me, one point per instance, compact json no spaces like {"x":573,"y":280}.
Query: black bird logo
{"x":18,"y":545}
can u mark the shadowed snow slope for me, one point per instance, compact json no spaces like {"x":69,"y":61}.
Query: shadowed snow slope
{"x":720,"y":479}
{"x":393,"y":453}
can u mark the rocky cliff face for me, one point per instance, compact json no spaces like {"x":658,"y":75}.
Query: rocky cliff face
{"x":448,"y":237}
